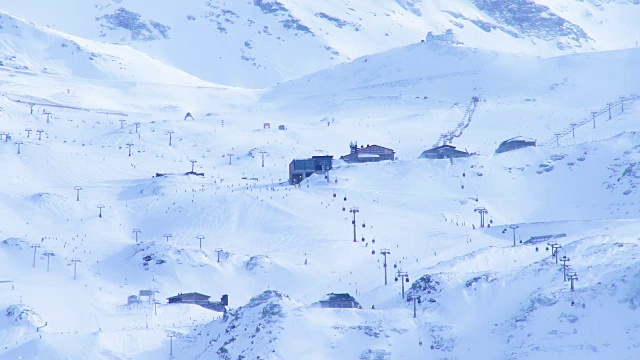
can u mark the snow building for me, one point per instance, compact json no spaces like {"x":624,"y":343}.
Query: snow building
{"x":517,"y":142}
{"x":447,"y":37}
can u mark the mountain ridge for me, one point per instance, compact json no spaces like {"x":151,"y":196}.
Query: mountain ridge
{"x":261,"y":42}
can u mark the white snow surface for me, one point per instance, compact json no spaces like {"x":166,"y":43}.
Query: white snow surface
{"x":256,"y":43}
{"x":276,"y":249}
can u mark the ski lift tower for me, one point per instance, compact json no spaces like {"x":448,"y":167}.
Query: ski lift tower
{"x":483,"y":211}
{"x":404,"y":277}
{"x":514,"y":227}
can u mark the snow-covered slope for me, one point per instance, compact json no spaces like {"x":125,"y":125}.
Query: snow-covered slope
{"x":428,"y":87}
{"x":80,"y":186}
{"x":259,"y":42}
{"x":33,"y":49}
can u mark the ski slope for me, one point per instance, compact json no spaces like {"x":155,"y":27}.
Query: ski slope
{"x":282,"y":248}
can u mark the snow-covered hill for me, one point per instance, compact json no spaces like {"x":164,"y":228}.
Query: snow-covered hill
{"x":32,"y":49}
{"x":104,"y":152}
{"x":429,"y":86}
{"x":260,"y":42}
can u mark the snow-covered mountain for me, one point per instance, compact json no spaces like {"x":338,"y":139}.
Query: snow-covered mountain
{"x":260,"y":42}
{"x":33,"y":49}
{"x":108,"y":188}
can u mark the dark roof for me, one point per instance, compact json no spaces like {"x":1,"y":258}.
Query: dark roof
{"x":312,"y":160}
{"x":300,"y":163}
{"x":338,"y":297}
{"x":519,"y":138}
{"x":374,"y":145}
{"x":179,"y":296}
{"x":443,"y":147}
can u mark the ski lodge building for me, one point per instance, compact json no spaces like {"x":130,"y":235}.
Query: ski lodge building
{"x":300,"y":169}
{"x":443,"y":152}
{"x":370,"y":153}
{"x":339,"y":301}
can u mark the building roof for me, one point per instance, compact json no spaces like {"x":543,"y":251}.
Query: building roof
{"x":179,"y":296}
{"x":442,"y":147}
{"x":303,"y":164}
{"x":519,"y":138}
{"x":338,"y":297}
{"x":374,"y":145}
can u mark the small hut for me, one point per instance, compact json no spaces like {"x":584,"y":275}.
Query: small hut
{"x":190,"y":298}
{"x":339,"y":301}
{"x":515,"y":143}
{"x":443,"y":152}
